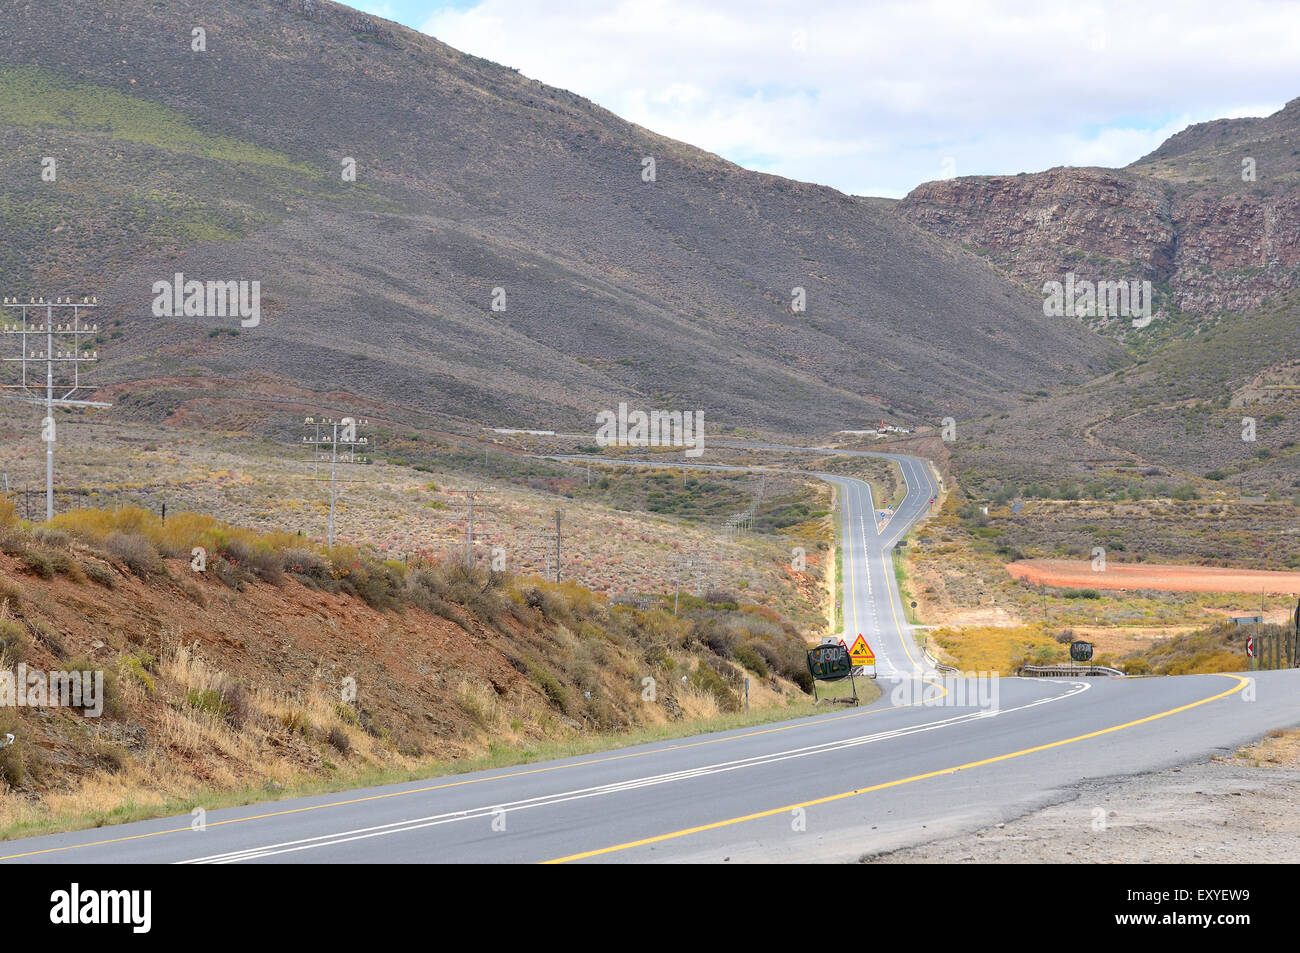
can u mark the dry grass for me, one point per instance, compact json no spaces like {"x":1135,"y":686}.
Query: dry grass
{"x":998,"y":649}
{"x":1280,"y":748}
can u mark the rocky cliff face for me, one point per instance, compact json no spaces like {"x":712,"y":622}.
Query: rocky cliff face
{"x":1189,"y":218}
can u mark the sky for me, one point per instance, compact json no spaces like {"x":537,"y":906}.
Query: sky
{"x":873,"y":98}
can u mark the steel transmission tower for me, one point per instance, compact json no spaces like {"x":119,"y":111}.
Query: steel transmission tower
{"x":66,"y":346}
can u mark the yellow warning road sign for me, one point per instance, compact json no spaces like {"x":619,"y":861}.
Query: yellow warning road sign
{"x":861,"y":652}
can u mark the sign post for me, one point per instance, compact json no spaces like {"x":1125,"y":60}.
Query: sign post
{"x":830,"y":662}
{"x":862,"y":655}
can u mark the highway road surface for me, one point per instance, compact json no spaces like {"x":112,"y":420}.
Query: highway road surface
{"x":872,"y":604}
{"x":933,"y":756}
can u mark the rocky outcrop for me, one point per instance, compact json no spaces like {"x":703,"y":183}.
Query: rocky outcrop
{"x":1181,"y":218}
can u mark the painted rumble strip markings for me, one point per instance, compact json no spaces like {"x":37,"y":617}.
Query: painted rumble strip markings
{"x":659,"y":838}
{"x":616,"y":787}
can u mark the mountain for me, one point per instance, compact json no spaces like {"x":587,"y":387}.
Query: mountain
{"x":227,"y":163}
{"x":1211,"y":218}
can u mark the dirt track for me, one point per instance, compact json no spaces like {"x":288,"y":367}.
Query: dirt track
{"x":1080,"y":574}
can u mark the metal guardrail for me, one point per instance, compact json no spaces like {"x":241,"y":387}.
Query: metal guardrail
{"x":1066,"y":671}
{"x":939,"y":666}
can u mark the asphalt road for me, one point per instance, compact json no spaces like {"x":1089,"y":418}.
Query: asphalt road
{"x":872,"y":605}
{"x":931,"y":757}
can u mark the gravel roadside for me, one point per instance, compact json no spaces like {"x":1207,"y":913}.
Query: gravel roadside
{"x":1231,"y":810}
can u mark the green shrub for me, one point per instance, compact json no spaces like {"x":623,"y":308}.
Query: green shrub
{"x":137,"y":667}
{"x":707,"y":678}
{"x":747,"y":656}
{"x":99,"y":573}
{"x":10,"y":595}
{"x":38,"y":563}
{"x":551,"y":687}
{"x":14,"y":641}
{"x":228,"y":703}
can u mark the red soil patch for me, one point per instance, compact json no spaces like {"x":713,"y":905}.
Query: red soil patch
{"x":1080,"y":574}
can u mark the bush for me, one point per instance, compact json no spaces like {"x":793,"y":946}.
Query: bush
{"x":228,"y":703}
{"x":306,"y":562}
{"x":256,"y":557}
{"x":48,"y":536}
{"x":339,"y":741}
{"x":13,"y":765}
{"x":14,"y":641}
{"x":99,"y":573}
{"x":550,"y":687}
{"x":38,"y":563}
{"x":109,"y":757}
{"x":10,"y":595}
{"x":227,"y":572}
{"x":135,"y":552}
{"x":296,"y":722}
{"x":705,"y":677}
{"x":747,"y":656}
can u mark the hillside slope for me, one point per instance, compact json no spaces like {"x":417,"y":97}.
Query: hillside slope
{"x":1211,"y":218}
{"x":281,"y":664}
{"x":677,"y":292}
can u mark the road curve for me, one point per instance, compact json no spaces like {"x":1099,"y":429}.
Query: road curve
{"x":933,"y":756}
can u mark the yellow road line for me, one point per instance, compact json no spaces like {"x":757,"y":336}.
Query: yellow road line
{"x":1241,"y":683}
{"x":848,"y":542}
{"x":801,"y":723}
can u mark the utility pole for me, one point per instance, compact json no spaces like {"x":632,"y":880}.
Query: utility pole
{"x":559,"y":515}
{"x":73,"y":341}
{"x":683,"y":561}
{"x":341,"y":433}
{"x":469,"y":531}
{"x":677,"y":586}
{"x":483,"y":512}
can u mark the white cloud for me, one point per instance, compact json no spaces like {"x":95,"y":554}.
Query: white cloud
{"x":872,"y":96}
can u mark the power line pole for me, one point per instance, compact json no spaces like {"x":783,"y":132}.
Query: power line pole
{"x":469,"y":532}
{"x":76,"y":335}
{"x":342,"y":433}
{"x":559,"y":515}
{"x":677,"y":585}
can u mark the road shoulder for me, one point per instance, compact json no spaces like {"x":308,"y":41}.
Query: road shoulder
{"x":1233,"y":809}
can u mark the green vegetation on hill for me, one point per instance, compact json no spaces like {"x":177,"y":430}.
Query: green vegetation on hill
{"x":41,"y":98}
